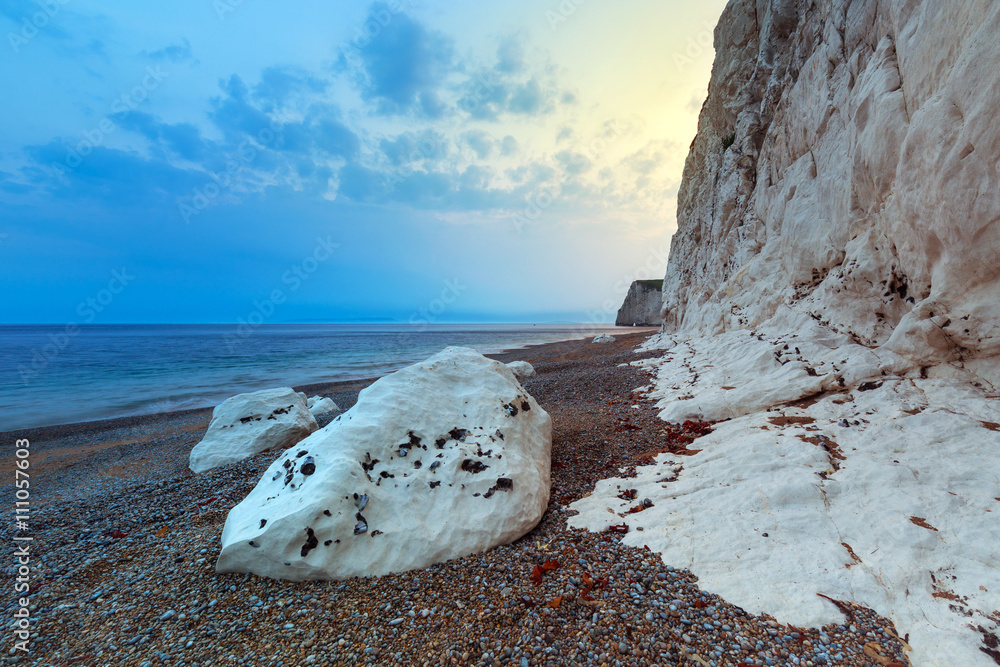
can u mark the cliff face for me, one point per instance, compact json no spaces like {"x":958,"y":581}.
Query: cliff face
{"x":860,"y":188}
{"x":643,"y":304}
{"x":833,"y":294}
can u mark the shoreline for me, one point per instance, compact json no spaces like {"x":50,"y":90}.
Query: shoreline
{"x":313,"y":388}
{"x":127,"y":540}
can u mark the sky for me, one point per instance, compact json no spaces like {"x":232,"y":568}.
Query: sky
{"x":321,"y":161}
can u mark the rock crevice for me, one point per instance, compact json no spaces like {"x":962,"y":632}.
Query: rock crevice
{"x":845,"y":167}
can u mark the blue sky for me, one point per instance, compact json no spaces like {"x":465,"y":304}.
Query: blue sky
{"x":514,"y":161}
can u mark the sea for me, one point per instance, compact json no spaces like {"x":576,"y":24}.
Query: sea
{"x":67,"y":374}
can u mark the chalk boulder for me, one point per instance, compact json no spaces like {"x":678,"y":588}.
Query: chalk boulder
{"x":320,"y":405}
{"x":248,"y":424}
{"x":521,"y":369}
{"x":442,"y":459}
{"x":603,"y":339}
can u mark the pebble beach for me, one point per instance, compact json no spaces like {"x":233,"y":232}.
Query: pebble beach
{"x":126,"y":539}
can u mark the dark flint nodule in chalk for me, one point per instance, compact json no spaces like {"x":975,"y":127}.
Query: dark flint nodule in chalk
{"x":525,"y":406}
{"x":253,"y":544}
{"x":263,"y":522}
{"x":288,"y":478}
{"x":360,"y":501}
{"x":434,"y":485}
{"x":287,"y":464}
{"x":328,"y":543}
{"x":327,"y":512}
{"x":510,"y":409}
{"x":468,"y":465}
{"x":308,"y":466}
{"x":311,"y":542}
{"x":440,"y":443}
{"x":301,"y":454}
{"x":458,"y":434}
{"x":435,"y":465}
{"x":362,"y":526}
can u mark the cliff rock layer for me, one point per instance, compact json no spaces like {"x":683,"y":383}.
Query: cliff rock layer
{"x":845,"y":168}
{"x":832,"y":293}
{"x":643,"y":304}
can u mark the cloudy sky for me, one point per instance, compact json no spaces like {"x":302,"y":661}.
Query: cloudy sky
{"x":198,"y":160}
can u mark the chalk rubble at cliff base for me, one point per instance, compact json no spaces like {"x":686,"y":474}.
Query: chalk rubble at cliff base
{"x":251,"y":423}
{"x":522,"y":370}
{"x":321,"y":405}
{"x":829,"y":478}
{"x":445,"y":458}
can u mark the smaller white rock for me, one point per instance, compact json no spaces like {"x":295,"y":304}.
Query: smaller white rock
{"x":521,"y":369}
{"x":604,"y":338}
{"x":248,"y":424}
{"x":320,"y":405}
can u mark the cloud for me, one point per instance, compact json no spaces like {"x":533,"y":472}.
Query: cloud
{"x":528,"y":98}
{"x":175,"y":53}
{"x":404,"y":64}
{"x":651,"y":157}
{"x":184,"y":139}
{"x":573,"y":163}
{"x":112,"y":175}
{"x":412,"y":147}
{"x":480,"y":142}
{"x":321,"y":130}
{"x":510,"y":55}
{"x":281,"y":82}
{"x":334,"y":138}
{"x":233,"y":113}
{"x":508,"y":146}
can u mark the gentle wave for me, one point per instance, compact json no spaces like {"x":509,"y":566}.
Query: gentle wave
{"x":60,"y":376}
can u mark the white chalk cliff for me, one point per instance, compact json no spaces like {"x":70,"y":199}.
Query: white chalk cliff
{"x":445,"y":458}
{"x":833,"y":291}
{"x":861,"y":185}
{"x":643,"y":304}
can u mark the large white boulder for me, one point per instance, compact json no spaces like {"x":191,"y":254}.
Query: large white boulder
{"x":604,"y":339}
{"x":521,"y":369}
{"x":442,"y":459}
{"x":320,"y":405}
{"x":248,"y":424}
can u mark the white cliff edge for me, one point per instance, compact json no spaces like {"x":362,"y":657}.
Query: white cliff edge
{"x":832,"y":292}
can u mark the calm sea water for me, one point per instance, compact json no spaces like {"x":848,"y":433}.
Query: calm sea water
{"x":54,"y":375}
